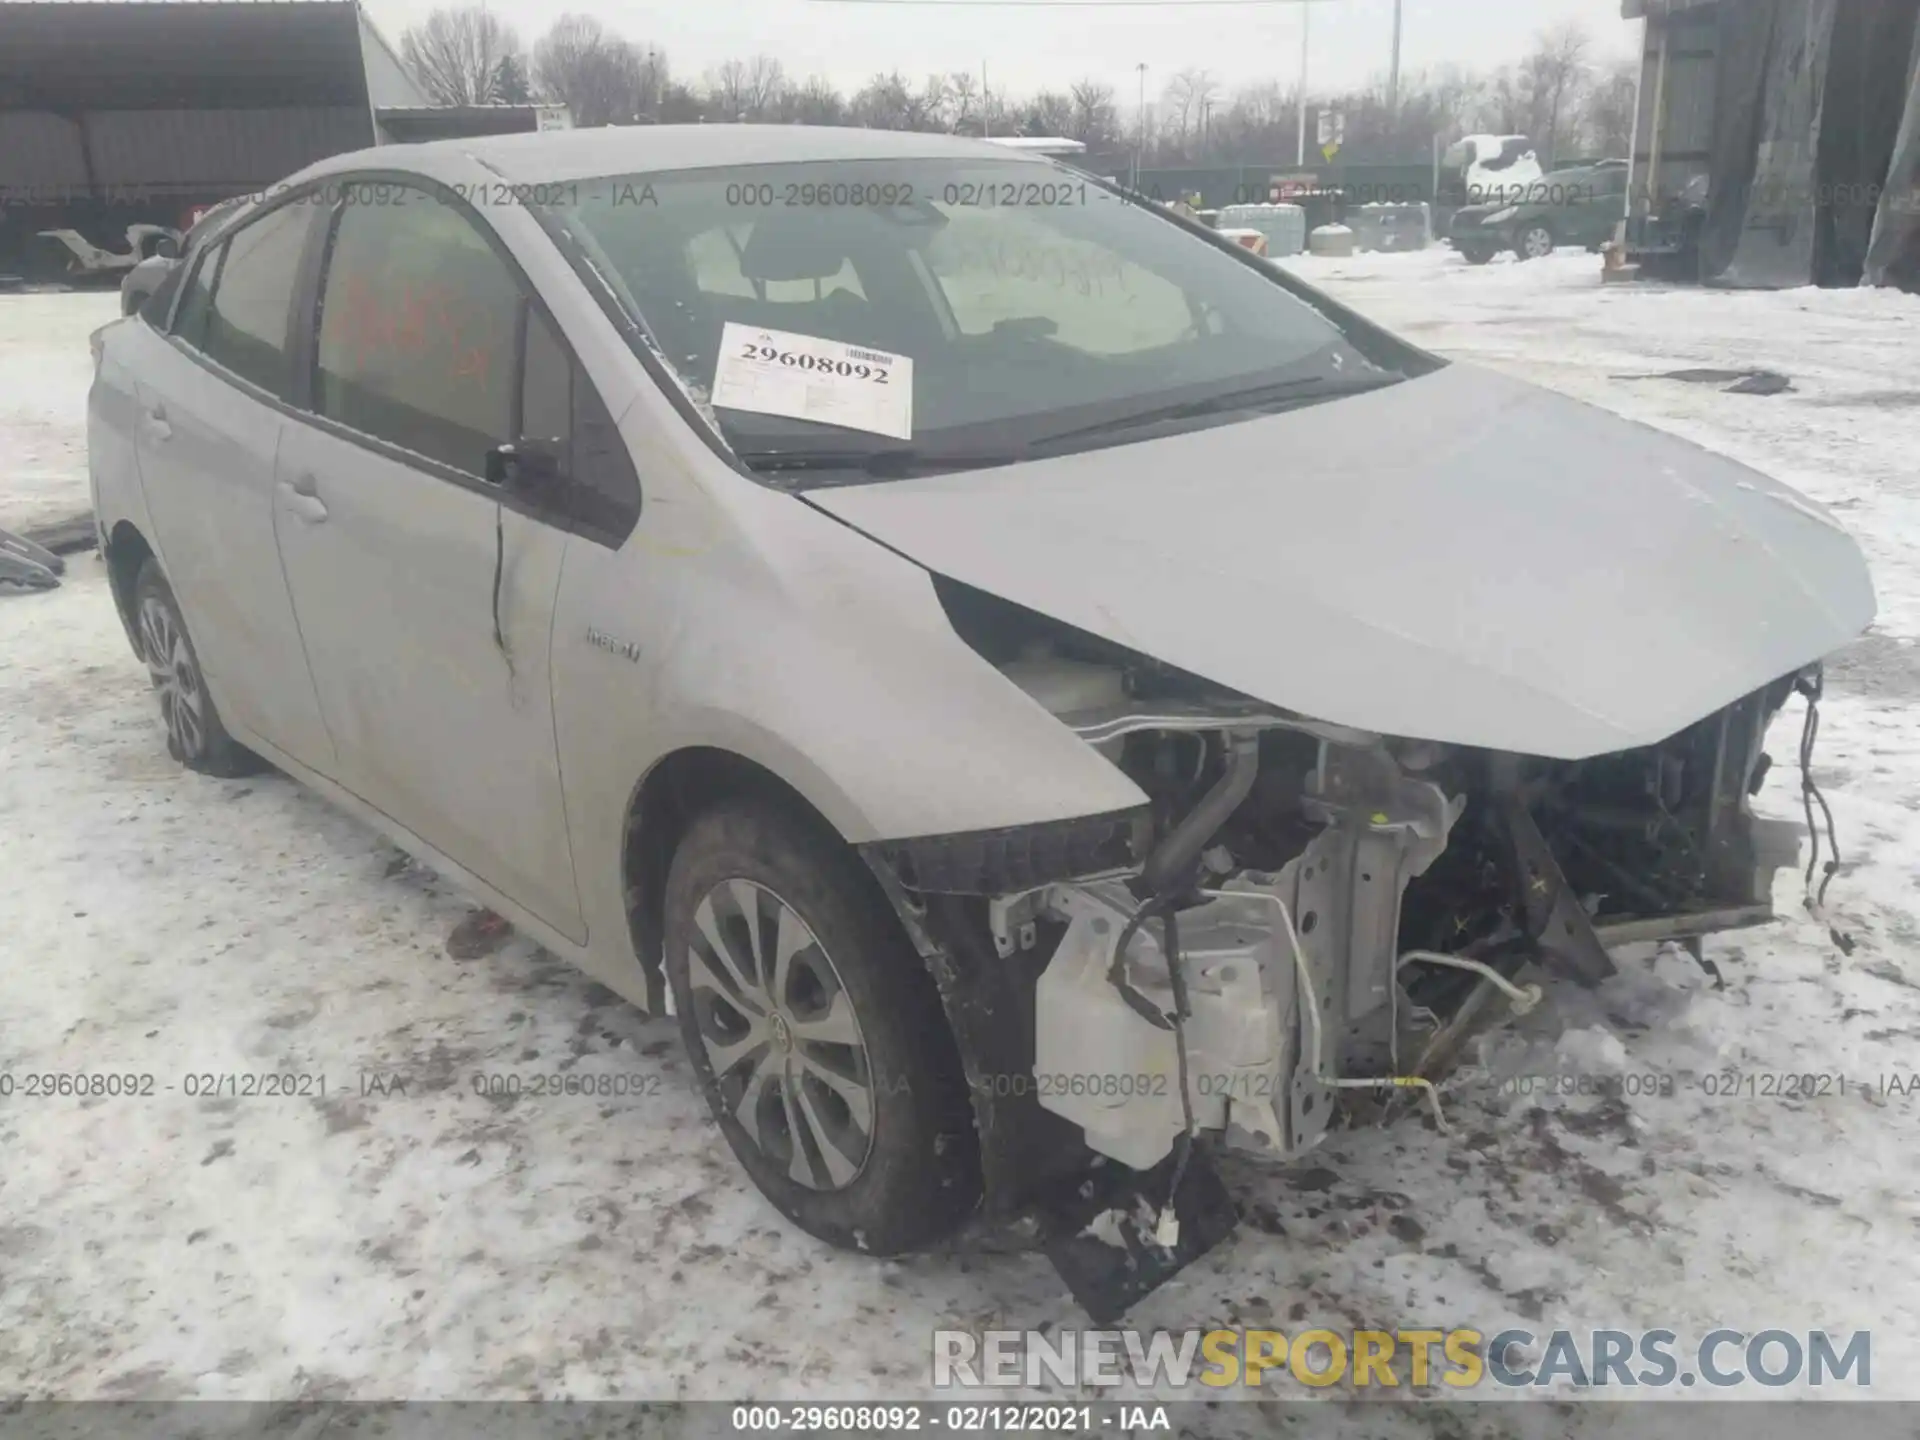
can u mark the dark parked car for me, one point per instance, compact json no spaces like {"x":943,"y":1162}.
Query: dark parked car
{"x":1578,"y":206}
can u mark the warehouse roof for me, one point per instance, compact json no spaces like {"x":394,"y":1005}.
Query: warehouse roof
{"x":116,"y":55}
{"x":1634,"y":9}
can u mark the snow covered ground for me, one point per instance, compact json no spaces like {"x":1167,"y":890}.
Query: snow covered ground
{"x":430,"y":1242}
{"x":43,"y":419}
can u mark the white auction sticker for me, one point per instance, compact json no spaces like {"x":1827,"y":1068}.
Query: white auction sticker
{"x":776,"y":372}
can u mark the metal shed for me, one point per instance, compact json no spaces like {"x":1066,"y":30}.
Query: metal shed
{"x":1777,"y":142}
{"x":118,"y":113}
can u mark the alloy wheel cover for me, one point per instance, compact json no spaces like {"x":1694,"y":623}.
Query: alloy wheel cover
{"x":781,"y":1035}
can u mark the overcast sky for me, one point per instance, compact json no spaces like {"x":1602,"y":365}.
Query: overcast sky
{"x":1055,"y":44}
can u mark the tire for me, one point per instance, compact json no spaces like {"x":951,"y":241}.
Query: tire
{"x":195,"y":735}
{"x":1533,"y":241}
{"x":858,"y":1007}
{"x":1475,"y":255}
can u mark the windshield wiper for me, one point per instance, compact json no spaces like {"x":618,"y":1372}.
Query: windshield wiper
{"x":1307,"y":389}
{"x":894,"y":464}
{"x":901,"y":462}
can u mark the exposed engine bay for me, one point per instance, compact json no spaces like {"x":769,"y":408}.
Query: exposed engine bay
{"x":1306,"y":922}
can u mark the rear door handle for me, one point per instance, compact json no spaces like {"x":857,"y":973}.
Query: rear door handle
{"x":298,"y":496}
{"x":156,"y":416}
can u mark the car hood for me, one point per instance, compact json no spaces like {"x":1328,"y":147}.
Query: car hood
{"x":1461,"y":558}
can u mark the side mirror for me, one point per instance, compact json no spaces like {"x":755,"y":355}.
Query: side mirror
{"x":142,"y":281}
{"x":531,"y":469}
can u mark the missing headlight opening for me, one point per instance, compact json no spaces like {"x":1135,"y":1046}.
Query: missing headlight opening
{"x":1310,"y":924}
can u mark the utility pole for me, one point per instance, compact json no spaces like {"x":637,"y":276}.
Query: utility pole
{"x":1306,"y":12}
{"x":986,"y":105}
{"x":1393,"y":75}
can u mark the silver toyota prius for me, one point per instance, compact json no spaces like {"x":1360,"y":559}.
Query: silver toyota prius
{"x":1040,"y":693}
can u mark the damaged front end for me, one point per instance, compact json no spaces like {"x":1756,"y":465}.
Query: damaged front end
{"x":1304,"y":922}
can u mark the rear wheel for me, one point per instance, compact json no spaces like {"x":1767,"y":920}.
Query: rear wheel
{"x":1476,"y":254}
{"x":816,"y":1033}
{"x":1533,"y":242}
{"x":195,"y":735}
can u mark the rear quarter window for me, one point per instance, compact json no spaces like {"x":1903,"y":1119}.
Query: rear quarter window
{"x":157,"y":306}
{"x":196,"y":296}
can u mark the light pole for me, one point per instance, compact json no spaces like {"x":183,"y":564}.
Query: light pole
{"x":1393,"y":75}
{"x":1306,"y":13}
{"x":1140,"y":135}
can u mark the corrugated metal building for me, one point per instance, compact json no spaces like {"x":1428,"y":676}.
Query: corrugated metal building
{"x":1777,"y":142}
{"x":114,"y":111}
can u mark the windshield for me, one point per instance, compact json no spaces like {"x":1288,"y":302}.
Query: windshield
{"x":1009,"y":305}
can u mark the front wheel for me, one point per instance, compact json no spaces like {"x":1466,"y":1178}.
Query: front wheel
{"x":1475,"y":254}
{"x":1533,"y":242}
{"x":816,"y":1033}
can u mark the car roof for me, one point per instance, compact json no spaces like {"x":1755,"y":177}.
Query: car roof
{"x":218,"y":219}
{"x":563,"y":155}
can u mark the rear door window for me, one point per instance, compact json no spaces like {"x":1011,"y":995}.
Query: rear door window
{"x":246,"y":326}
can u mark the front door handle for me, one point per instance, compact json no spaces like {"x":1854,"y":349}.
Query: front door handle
{"x":157,"y":426}
{"x":302,"y":501}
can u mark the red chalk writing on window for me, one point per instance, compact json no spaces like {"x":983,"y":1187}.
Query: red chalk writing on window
{"x":418,"y":330}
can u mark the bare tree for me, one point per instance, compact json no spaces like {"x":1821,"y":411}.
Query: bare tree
{"x":815,"y":103}
{"x":1448,"y":99}
{"x":1556,"y":73}
{"x":1190,"y":94}
{"x":1096,"y":122}
{"x":1560,"y":95}
{"x":727,"y":86}
{"x":603,"y":78}
{"x":998,"y":113}
{"x":1257,"y":123}
{"x":1607,"y":117}
{"x":927,"y":108}
{"x":766,"y":83}
{"x":963,"y":103}
{"x":680,"y":104}
{"x":1048,"y":113}
{"x":746,"y":90}
{"x":887,"y":102}
{"x":883,"y":103}
{"x":463,"y":57}
{"x":1506,"y":104}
